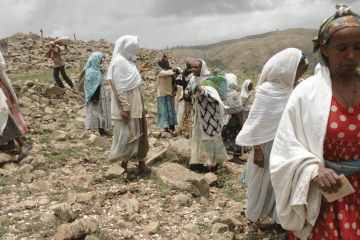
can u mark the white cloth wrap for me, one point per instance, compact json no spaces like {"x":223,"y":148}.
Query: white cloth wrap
{"x":5,"y":79}
{"x":4,"y":112}
{"x":273,"y":91}
{"x":122,"y":69}
{"x":297,"y":149}
{"x":231,"y":80}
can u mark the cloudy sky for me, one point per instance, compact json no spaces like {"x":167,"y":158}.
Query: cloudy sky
{"x":162,"y":23}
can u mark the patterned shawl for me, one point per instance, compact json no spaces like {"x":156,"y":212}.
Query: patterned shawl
{"x":93,"y":75}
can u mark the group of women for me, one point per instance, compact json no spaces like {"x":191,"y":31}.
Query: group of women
{"x":302,"y":138}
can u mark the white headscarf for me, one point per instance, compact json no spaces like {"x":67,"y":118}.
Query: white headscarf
{"x":5,"y":79}
{"x":122,"y":70}
{"x":273,"y":91}
{"x":231,"y":80}
{"x":245,"y":93}
{"x":203,"y":74}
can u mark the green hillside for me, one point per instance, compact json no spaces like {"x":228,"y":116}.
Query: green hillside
{"x":250,"y":53}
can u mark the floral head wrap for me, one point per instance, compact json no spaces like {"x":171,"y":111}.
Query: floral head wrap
{"x":343,"y":18}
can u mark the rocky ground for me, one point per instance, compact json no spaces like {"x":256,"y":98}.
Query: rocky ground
{"x":66,"y":188}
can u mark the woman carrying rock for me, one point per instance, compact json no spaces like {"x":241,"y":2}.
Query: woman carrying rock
{"x":207,"y":95}
{"x":318,"y":140}
{"x":232,"y":119}
{"x":13,"y":124}
{"x":54,"y":53}
{"x":166,"y":90}
{"x":272,"y":93}
{"x":96,"y":96}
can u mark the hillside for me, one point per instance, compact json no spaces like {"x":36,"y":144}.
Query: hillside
{"x":250,"y":53}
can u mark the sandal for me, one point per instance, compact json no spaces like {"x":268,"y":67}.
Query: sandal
{"x":24,"y":153}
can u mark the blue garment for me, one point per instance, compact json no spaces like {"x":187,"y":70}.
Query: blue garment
{"x":166,"y":112}
{"x":346,"y":167}
{"x":243,"y":177}
{"x":93,"y":75}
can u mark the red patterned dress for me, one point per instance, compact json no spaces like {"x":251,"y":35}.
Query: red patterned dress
{"x":340,"y":219}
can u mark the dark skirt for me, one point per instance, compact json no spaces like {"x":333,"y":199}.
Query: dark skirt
{"x":228,"y":134}
{"x":11,"y":131}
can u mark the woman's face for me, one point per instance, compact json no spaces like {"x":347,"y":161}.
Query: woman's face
{"x":196,"y":68}
{"x":165,"y":60}
{"x":250,"y":86}
{"x":343,"y":51}
{"x":302,"y":68}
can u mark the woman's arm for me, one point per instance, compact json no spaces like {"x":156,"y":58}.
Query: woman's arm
{"x":238,"y":117}
{"x":258,"y":156}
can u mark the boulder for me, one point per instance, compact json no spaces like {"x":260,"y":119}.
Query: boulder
{"x":77,"y":229}
{"x":47,"y":218}
{"x":219,"y":228}
{"x":54,"y":90}
{"x":4,"y":158}
{"x":41,"y":186}
{"x":210,"y":178}
{"x":114,"y":172}
{"x":180,"y":177}
{"x":63,"y":212}
{"x":179,"y":151}
{"x":192,"y":228}
{"x":151,"y":228}
{"x":24,"y":101}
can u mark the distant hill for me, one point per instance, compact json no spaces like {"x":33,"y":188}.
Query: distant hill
{"x":250,"y":53}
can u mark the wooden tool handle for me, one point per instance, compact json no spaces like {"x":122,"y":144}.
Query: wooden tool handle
{"x":116,"y":95}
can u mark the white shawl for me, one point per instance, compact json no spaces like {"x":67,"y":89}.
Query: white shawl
{"x":297,"y":149}
{"x":122,"y":69}
{"x":4,"y":112}
{"x":273,"y":91}
{"x":5,"y":79}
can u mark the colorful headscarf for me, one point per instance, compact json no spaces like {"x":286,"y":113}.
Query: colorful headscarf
{"x":217,"y":81}
{"x":93,"y":75}
{"x":343,"y":18}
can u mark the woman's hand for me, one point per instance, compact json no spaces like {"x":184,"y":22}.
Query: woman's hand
{"x":327,"y":180}
{"x":258,"y":156}
{"x":146,"y":67}
{"x":125,"y":115}
{"x":199,"y":89}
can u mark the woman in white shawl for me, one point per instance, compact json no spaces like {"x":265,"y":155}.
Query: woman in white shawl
{"x":207,"y":147}
{"x":273,"y":91}
{"x":246,"y":99}
{"x":127,"y":80}
{"x":232,"y":119}
{"x":318,"y":139}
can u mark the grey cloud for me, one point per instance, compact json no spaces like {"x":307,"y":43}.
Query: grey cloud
{"x":208,"y":7}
